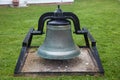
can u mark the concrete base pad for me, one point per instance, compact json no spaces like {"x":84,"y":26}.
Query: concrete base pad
{"x":82,"y":64}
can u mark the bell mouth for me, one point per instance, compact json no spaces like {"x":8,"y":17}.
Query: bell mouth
{"x":58,"y":55}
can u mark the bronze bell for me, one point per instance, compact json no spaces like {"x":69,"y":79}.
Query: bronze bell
{"x":58,"y":43}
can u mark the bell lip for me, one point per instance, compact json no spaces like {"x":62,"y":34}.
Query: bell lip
{"x":58,"y":55}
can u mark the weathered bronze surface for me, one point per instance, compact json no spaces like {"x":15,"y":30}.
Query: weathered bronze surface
{"x":58,"y":43}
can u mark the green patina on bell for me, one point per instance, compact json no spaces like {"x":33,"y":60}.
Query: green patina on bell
{"x":58,"y":43}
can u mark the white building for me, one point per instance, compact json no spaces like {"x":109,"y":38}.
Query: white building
{"x":25,"y":2}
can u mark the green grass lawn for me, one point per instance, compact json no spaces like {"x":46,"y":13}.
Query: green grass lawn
{"x":100,"y":17}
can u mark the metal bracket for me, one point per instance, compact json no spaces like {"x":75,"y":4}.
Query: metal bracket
{"x":67,"y":15}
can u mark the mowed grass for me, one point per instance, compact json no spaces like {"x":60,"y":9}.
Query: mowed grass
{"x":100,"y":17}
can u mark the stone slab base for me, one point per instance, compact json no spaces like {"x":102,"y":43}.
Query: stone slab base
{"x":83,"y":64}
